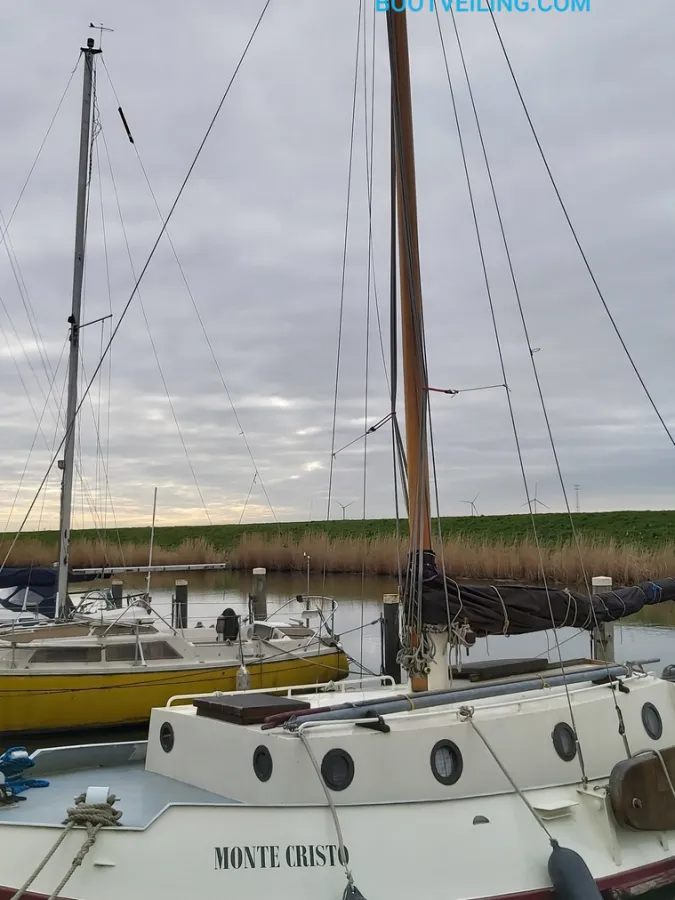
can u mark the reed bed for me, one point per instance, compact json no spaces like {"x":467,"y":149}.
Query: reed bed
{"x":465,"y":558}
{"x":88,"y":554}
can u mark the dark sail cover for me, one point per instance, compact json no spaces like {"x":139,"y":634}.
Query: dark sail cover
{"x":519,"y":609}
{"x":42,"y":587}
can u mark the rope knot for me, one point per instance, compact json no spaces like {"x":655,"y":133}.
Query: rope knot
{"x":92,"y":814}
{"x":466,"y":713}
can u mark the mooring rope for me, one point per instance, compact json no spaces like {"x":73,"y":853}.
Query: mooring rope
{"x":351,"y":890}
{"x":466,"y":714}
{"x":93,"y":816}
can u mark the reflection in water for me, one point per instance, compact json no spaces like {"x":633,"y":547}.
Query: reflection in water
{"x":649,"y":635}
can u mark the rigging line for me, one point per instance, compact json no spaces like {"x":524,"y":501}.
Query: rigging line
{"x":497,"y":336}
{"x":149,"y":330}
{"x":103,"y":466}
{"x":38,"y":431}
{"x":37,"y":157}
{"x":577,"y":240}
{"x":522,"y":313}
{"x":25,"y":300}
{"x":369,"y":148}
{"x":4,"y":229}
{"x":453,"y":391}
{"x":107,"y":494}
{"x":25,"y":353}
{"x":153,"y":249}
{"x":343,"y":278}
{"x":103,"y":324}
{"x":368,"y":431}
{"x":195,"y":307}
{"x":398,"y":457}
{"x":536,"y":375}
{"x":369,"y":179}
{"x":575,"y":534}
{"x":241,"y":517}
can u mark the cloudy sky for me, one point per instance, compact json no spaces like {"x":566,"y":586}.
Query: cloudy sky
{"x":259,"y":232}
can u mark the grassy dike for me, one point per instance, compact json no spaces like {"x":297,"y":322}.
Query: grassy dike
{"x":628,"y":546}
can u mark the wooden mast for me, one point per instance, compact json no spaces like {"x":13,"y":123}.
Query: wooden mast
{"x":412,"y":323}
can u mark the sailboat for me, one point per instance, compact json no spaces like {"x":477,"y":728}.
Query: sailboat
{"x":511,"y":781}
{"x":67,"y":667}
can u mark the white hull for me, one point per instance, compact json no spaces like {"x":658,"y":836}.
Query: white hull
{"x":198,"y":823}
{"x":424,"y":850}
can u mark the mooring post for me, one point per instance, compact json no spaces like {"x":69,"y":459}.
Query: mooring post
{"x":390,"y":636}
{"x":179,"y":606}
{"x":602,"y":637}
{"x":259,"y":594}
{"x":117,"y":590}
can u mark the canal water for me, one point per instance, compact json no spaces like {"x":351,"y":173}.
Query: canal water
{"x":647,"y":636}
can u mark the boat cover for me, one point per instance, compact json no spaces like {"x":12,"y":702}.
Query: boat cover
{"x":33,"y":588}
{"x":520,"y":609}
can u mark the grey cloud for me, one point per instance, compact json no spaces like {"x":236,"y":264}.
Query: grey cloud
{"x":259,"y":232}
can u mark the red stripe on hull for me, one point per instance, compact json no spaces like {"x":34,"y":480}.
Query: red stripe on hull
{"x":7,"y":893}
{"x":619,"y":887}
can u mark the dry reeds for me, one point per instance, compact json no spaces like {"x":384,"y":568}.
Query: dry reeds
{"x":464,"y":558}
{"x":90,"y":554}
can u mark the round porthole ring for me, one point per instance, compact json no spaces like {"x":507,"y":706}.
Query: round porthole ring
{"x":458,"y":761}
{"x":327,"y":773}
{"x":166,"y":737}
{"x":565,"y":753}
{"x":262,"y":763}
{"x":653,"y":728}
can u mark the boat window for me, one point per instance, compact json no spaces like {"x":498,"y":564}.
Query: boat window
{"x":66,"y":655}
{"x":262,"y":763}
{"x":265,"y":632}
{"x":564,"y":741}
{"x":166,"y":737}
{"x":446,"y":762}
{"x":337,"y":769}
{"x":295,"y":631}
{"x":159,"y":650}
{"x":651,"y":719}
{"x":151,"y":650}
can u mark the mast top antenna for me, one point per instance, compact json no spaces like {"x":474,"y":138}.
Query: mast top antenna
{"x":100,"y":28}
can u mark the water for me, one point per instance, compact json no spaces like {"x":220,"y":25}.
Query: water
{"x":649,"y":635}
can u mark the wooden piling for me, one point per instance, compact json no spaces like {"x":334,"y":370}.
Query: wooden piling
{"x":390,"y":637}
{"x":259,"y":594}
{"x":117,"y":590}
{"x":602,"y":637}
{"x":179,"y":605}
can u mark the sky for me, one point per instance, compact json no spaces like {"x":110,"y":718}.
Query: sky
{"x":259,"y":233}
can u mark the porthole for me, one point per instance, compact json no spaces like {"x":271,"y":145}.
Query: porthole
{"x":446,"y":762}
{"x":262,"y":763}
{"x":337,"y":769}
{"x":564,"y":741}
{"x":651,"y":719}
{"x":166,"y":737}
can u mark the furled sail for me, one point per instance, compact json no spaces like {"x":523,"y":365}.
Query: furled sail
{"x":520,"y":609}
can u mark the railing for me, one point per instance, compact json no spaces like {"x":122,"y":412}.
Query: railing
{"x":351,"y":684}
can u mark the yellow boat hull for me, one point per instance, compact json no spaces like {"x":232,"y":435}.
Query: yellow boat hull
{"x":38,"y":703}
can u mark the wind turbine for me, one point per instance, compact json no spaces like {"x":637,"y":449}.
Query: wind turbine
{"x":472,"y":504}
{"x":344,"y":507}
{"x":534,"y":501}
